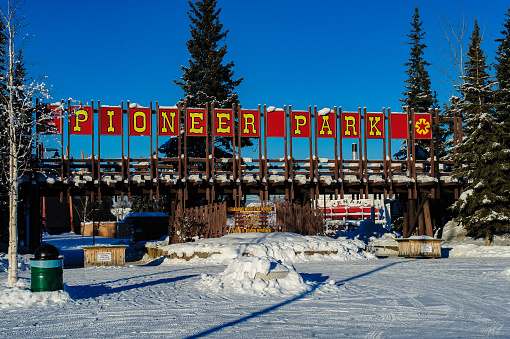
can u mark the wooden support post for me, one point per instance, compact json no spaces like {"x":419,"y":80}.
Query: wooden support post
{"x":240,"y":160}
{"x":336,"y":152}
{"x":421,"y":224}
{"x":428,"y":219}
{"x":405,"y":224}
{"x":98,"y":147}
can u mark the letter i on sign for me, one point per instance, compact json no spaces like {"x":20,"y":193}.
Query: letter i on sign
{"x":111,"y":120}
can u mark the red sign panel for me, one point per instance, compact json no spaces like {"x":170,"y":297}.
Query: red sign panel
{"x":168,"y":121}
{"x":197,"y":122}
{"x":111,"y":120}
{"x":301,"y":124}
{"x":140,"y":121}
{"x":223,"y":123}
{"x":51,"y":122}
{"x":326,"y":125}
{"x":81,"y":120}
{"x":422,"y":126}
{"x":250,"y":123}
{"x":351,"y":125}
{"x":374,"y":125}
{"x":399,"y":126}
{"x":276,"y":124}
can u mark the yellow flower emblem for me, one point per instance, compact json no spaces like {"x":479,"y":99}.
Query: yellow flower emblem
{"x":422,"y":126}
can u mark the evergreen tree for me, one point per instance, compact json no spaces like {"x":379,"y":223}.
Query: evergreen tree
{"x":502,"y":67}
{"x":207,"y":80}
{"x":483,"y":208}
{"x":418,"y":94}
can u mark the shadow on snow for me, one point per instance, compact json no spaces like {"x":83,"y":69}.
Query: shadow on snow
{"x":317,"y":277}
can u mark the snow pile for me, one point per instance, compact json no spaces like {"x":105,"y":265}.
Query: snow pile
{"x":23,"y":262}
{"x":476,"y":251}
{"x":257,"y":276}
{"x":21,"y":296}
{"x":284,"y":247}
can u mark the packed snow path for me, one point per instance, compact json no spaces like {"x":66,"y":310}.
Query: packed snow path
{"x":398,"y":298}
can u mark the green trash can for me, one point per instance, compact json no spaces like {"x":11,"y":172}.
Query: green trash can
{"x":47,"y":269}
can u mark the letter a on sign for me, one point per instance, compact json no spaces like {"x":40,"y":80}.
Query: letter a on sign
{"x":276,"y":124}
{"x":140,"y":121}
{"x":81,"y":120}
{"x":250,"y":123}
{"x":111,"y":120}
{"x":301,"y":124}
{"x":422,"y":126}
{"x":351,"y":125}
{"x":399,"y":126}
{"x":223,"y":123}
{"x":374,"y":125}
{"x":326,"y":126}
{"x":197,"y":123}
{"x":168,"y":120}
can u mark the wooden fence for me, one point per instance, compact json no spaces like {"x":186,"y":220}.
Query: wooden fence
{"x":298,"y":219}
{"x":209,"y":221}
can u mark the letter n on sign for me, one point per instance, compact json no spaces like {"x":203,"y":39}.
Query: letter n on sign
{"x":399,"y":126}
{"x":276,"y":124}
{"x":250,"y":123}
{"x":81,"y":120}
{"x":140,"y":121}
{"x":223,"y":123}
{"x":375,"y":125}
{"x":168,"y":121}
{"x":111,"y":120}
{"x":197,"y":123}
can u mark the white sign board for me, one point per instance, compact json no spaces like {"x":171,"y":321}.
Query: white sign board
{"x":104,"y":256}
{"x":426,"y":248}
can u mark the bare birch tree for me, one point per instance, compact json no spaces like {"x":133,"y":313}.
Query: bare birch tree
{"x":17,"y":112}
{"x":452,"y":49}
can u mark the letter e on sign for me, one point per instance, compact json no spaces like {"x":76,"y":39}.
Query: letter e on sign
{"x":111,"y":120}
{"x":223,"y":123}
{"x":197,"y":124}
{"x":250,"y":123}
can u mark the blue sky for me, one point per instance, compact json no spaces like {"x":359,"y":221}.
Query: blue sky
{"x":299,"y":53}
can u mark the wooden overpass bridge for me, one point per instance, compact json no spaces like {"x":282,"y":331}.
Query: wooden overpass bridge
{"x":304,"y":180}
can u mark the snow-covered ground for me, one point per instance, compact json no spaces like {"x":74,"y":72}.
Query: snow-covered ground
{"x":327,"y":296}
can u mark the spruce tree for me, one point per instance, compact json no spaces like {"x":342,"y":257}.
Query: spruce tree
{"x":418,"y":94}
{"x":502,"y":68}
{"x":483,"y":208}
{"x":207,"y":79}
